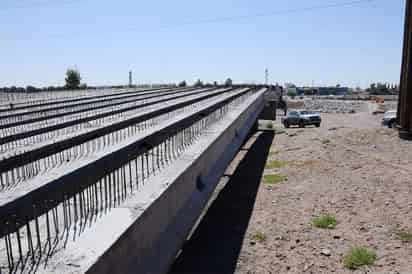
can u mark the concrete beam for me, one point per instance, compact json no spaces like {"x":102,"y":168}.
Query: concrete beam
{"x":145,"y":234}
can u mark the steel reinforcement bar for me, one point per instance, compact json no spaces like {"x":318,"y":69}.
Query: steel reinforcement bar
{"x":56,"y":147}
{"x":28,"y":134}
{"x":152,"y":227}
{"x":21,"y":209}
{"x":65,"y":101}
{"x":18,"y":212}
{"x":137,"y":96}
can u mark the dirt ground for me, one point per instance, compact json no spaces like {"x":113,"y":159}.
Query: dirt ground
{"x":350,"y":167}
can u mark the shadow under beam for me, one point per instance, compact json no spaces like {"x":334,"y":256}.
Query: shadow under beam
{"x":215,"y":245}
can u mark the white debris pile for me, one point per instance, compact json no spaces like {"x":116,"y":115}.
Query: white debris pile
{"x":334,"y":106}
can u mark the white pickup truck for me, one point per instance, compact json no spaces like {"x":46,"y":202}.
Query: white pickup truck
{"x":389,"y":118}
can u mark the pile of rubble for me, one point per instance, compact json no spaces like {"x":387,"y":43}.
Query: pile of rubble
{"x":334,"y":106}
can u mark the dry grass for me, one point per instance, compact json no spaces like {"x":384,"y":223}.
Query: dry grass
{"x":358,"y":257}
{"x":259,"y":237}
{"x":271,"y":179}
{"x":307,"y":163}
{"x":325,"y":141}
{"x":276,"y":164}
{"x":405,"y":235}
{"x":326,"y":222}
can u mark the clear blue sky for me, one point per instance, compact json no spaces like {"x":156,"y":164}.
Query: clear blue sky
{"x":166,"y":41}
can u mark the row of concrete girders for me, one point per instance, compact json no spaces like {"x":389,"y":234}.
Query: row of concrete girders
{"x":30,"y":163}
{"x":33,"y":192}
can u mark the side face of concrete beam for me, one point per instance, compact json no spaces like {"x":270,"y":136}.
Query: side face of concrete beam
{"x":151,"y":243}
{"x":405,"y":96}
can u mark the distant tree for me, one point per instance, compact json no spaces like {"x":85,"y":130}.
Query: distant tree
{"x":198,"y":83}
{"x":72,"y":79}
{"x":228,"y":82}
{"x":83,"y":86}
{"x":378,"y":89}
{"x":292,"y":94}
{"x":381,"y":86}
{"x":31,"y":89}
{"x":290,"y":85}
{"x":182,"y":84}
{"x":215,"y":83}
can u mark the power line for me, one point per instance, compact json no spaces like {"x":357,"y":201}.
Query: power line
{"x":278,"y":12}
{"x":39,"y":4}
{"x":212,"y":20}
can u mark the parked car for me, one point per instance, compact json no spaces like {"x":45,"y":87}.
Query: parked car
{"x":389,"y":118}
{"x":302,"y":118}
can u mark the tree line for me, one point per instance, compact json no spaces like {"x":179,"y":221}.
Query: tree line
{"x":73,"y":82}
{"x":200,"y":83}
{"x":382,"y":89}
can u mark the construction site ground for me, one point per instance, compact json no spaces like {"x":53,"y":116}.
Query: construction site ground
{"x":351,"y":167}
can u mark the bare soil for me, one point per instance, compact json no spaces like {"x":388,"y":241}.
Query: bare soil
{"x":351,"y":168}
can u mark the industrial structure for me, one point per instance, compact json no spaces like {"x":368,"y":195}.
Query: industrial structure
{"x":405,"y":96}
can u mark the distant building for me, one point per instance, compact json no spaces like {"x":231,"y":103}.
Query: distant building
{"x":306,"y":91}
{"x":320,"y":90}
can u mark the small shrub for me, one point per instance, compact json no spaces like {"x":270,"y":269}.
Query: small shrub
{"x":259,"y":237}
{"x":275,"y":164}
{"x":269,"y":125}
{"x":325,"y":141}
{"x":404,"y":235}
{"x":326,"y":222}
{"x":274,"y":178}
{"x":359,"y":256}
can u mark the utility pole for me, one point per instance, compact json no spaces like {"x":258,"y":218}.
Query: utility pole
{"x":404,"y":116}
{"x":266,"y":77}
{"x":130,"y":79}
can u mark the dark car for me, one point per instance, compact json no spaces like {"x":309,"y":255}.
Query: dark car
{"x":302,"y":118}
